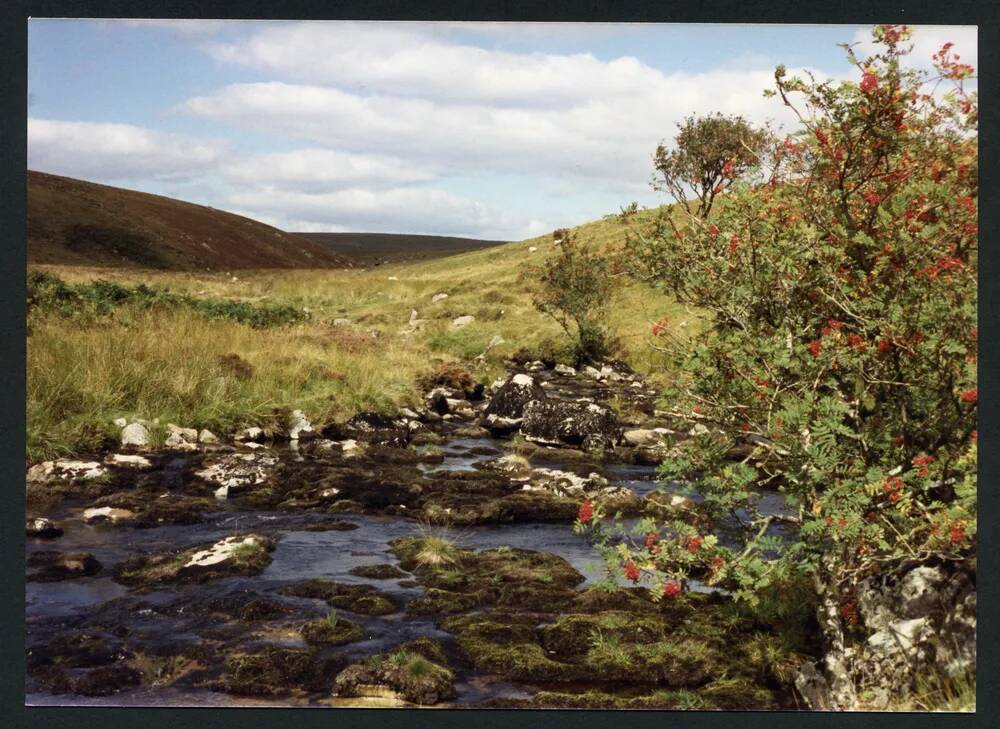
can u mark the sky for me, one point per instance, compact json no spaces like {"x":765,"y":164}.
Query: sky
{"x":486,"y":130}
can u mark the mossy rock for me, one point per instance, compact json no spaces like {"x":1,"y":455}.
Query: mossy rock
{"x":597,"y":699}
{"x":327,"y":632}
{"x":598,"y":599}
{"x":670,"y":662}
{"x":443,"y":602}
{"x":571,"y":636}
{"x":76,"y":649}
{"x":53,"y":566}
{"x":487,"y":570}
{"x":329,"y":525}
{"x":273,"y":671}
{"x":739,"y":693}
{"x":507,"y":647}
{"x":244,"y":555}
{"x":361,"y":599}
{"x":378,"y":572}
{"x":100,"y":681}
{"x":413,"y":671}
{"x":152,"y":511}
{"x":245,"y":607}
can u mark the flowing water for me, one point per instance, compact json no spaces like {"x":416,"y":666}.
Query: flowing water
{"x":299,"y":554}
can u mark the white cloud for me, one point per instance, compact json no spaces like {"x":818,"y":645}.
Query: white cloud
{"x":411,"y":210}
{"x":322,"y":169}
{"x":106,"y":151}
{"x":597,"y":138}
{"x":411,"y":61}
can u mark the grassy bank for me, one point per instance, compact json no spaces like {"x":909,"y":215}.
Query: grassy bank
{"x":179,"y":363}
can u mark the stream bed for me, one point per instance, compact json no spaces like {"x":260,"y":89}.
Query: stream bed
{"x":169,"y":633}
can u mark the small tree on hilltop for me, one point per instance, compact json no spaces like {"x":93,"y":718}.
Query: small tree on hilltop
{"x":842,"y":345}
{"x":574,"y":286}
{"x":709,"y":154}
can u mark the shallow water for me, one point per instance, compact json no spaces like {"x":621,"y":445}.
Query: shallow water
{"x":299,"y":554}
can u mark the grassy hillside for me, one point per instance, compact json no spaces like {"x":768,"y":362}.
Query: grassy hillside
{"x":73,"y":222}
{"x":170,"y":363}
{"x":382,"y":248}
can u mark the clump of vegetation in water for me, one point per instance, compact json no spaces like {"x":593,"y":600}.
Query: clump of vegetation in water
{"x":331,"y":630}
{"x":416,"y":671}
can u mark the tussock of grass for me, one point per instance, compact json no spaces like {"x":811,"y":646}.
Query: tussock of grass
{"x":436,"y":551}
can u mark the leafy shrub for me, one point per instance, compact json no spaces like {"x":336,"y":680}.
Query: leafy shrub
{"x":574,"y":286}
{"x":842,"y":296}
{"x":709,"y":155}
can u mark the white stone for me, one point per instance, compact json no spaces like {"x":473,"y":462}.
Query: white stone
{"x":901,"y":635}
{"x":138,"y":462}
{"x":120,"y":422}
{"x":565,"y":370}
{"x":107,"y":513}
{"x":253,"y":433}
{"x":300,"y":426}
{"x":350,"y":448}
{"x":65,"y":469}
{"x":522,"y":379}
{"x":239,"y":470}
{"x":413,"y":317}
{"x":188,"y":434}
{"x":462,"y":321}
{"x":220,"y":551}
{"x":394,"y":278}
{"x":178,"y":442}
{"x":438,"y":297}
{"x":342,"y":322}
{"x":644,"y":436}
{"x":207,"y":436}
{"x":135,"y":434}
{"x":566,"y":483}
{"x":532,"y":249}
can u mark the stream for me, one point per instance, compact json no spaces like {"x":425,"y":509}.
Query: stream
{"x":169,"y":614}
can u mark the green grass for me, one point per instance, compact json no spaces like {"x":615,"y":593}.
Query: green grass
{"x":109,"y":343}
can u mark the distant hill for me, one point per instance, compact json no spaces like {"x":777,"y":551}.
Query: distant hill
{"x":373,"y":249}
{"x":74,"y":222}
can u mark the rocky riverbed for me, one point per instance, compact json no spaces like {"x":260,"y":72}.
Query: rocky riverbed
{"x":421,"y":559}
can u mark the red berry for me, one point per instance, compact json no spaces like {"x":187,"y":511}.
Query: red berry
{"x":671,"y":589}
{"x":632,"y":571}
{"x":586,"y":512}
